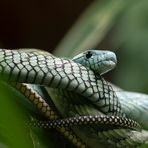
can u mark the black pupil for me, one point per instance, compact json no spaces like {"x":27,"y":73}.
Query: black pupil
{"x":89,"y":54}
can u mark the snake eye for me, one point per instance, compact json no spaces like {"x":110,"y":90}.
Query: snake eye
{"x":89,"y":54}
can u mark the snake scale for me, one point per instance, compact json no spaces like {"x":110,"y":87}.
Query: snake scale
{"x":63,"y":74}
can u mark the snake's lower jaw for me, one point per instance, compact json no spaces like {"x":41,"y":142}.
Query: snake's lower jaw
{"x":110,"y":64}
{"x":107,"y":66}
{"x":109,"y":61}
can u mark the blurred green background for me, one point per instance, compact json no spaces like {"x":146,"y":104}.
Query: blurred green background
{"x":69,"y":27}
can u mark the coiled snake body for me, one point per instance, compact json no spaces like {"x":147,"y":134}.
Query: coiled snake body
{"x":34,"y":68}
{"x":69,"y":79}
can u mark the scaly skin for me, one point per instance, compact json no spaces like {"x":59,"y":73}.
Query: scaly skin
{"x":47,"y":70}
{"x":113,"y":133}
{"x":33,"y":96}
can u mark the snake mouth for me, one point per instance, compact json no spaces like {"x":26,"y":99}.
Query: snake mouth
{"x":106,"y":66}
{"x":110,"y":56}
{"x":110,"y":59}
{"x":108,"y":63}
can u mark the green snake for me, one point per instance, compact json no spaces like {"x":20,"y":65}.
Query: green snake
{"x":18,"y":66}
{"x":100,"y":62}
{"x":64,"y":74}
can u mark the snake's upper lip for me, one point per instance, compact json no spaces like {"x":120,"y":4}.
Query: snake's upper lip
{"x":112,"y":57}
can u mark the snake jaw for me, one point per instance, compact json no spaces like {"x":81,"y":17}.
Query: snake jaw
{"x":107,"y":66}
{"x":109,"y":63}
{"x":111,"y":57}
{"x":105,"y":61}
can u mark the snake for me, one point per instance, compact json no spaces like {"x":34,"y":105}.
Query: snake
{"x":87,"y":120}
{"x":64,"y":74}
{"x":33,"y":68}
{"x":100,"y":62}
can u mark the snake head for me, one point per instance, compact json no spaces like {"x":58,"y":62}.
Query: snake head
{"x":100,"y":61}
